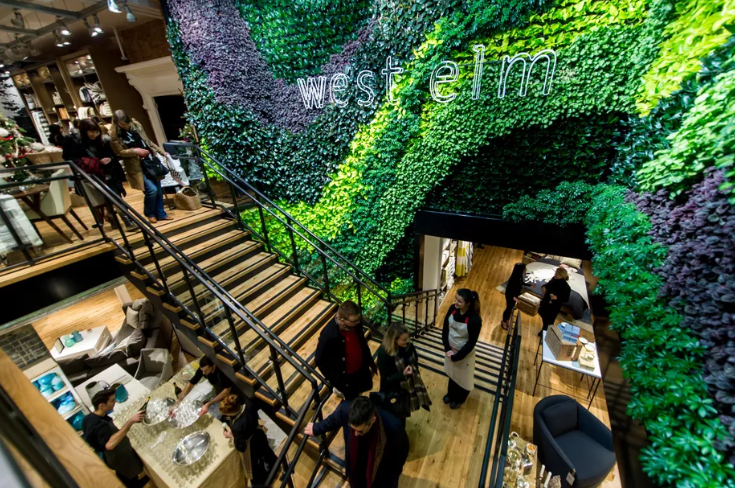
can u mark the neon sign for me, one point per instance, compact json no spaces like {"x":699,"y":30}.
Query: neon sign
{"x":314,"y":90}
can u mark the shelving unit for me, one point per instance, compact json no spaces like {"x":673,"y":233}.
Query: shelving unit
{"x":30,"y":100}
{"x":82,"y":74}
{"x":48,"y":367}
{"x":449,"y":264}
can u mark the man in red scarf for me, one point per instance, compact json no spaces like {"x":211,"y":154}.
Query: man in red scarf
{"x":376,"y":444}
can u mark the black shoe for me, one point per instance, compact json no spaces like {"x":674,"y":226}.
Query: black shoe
{"x":454,"y":405}
{"x":446,"y":399}
{"x":129,"y":224}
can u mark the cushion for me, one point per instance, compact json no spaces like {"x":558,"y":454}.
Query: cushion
{"x":135,"y":343}
{"x":573,"y":262}
{"x":131,"y":317}
{"x":138,"y":304}
{"x":106,"y":359}
{"x":74,"y":365}
{"x":576,"y":305}
{"x":592,"y":461}
{"x":560,"y":418}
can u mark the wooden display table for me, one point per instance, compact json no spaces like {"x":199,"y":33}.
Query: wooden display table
{"x":219,"y":468}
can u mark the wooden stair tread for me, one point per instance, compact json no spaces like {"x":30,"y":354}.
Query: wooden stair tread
{"x":226,"y":255}
{"x":182,"y":238}
{"x":285,"y":285}
{"x":169,"y":228}
{"x":200,"y":248}
{"x":242,"y":267}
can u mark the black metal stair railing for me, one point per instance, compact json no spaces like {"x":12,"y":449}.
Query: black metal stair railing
{"x":417,"y":311}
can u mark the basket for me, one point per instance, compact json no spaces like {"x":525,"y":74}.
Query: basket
{"x":187,"y":199}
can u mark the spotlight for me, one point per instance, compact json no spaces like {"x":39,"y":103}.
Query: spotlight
{"x":2,"y":65}
{"x":96,"y":26}
{"x":63,"y":29}
{"x":18,"y":20}
{"x":58,"y":40}
{"x":112,"y":7}
{"x":129,"y":14}
{"x":92,"y":32}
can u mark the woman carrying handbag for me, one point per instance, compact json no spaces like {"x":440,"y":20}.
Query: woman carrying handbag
{"x":402,"y":390}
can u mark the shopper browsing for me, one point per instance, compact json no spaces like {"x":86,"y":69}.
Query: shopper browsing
{"x":111,"y":443}
{"x":556,"y":292}
{"x":376,"y":444}
{"x":243,"y":427}
{"x":222,"y":385}
{"x":342,"y":353}
{"x":461,"y":330}
{"x":402,"y":390}
{"x":130,"y":142}
{"x":512,"y":291}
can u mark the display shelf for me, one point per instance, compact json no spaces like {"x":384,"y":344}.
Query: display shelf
{"x":57,"y":394}
{"x":48,"y":367}
{"x":69,"y":415}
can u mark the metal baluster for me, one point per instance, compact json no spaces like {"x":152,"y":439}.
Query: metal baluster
{"x":264,"y":228}
{"x":436,"y":305}
{"x":234,"y":202}
{"x":111,"y":209}
{"x":359,"y":294}
{"x":155,"y":260}
{"x":194,"y":297}
{"x":279,"y":377}
{"x":416,"y":317}
{"x":389,"y":308}
{"x":293,"y":246}
{"x":95,"y":215}
{"x":233,"y":331}
{"x":326,"y":274}
{"x":426,"y":315}
{"x":210,"y":192}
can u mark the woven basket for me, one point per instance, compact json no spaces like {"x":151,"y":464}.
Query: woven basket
{"x":187,"y":199}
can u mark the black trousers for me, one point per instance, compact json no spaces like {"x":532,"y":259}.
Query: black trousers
{"x":548,"y":315}
{"x":134,"y":482}
{"x":510,"y":304}
{"x":456,"y":393}
{"x":355,"y":384}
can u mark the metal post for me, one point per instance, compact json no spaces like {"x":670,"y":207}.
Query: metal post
{"x":416,"y":316}
{"x":155,"y":261}
{"x":234,"y":202}
{"x":99,"y":224}
{"x":326,"y":274}
{"x":279,"y":377}
{"x":436,"y":305}
{"x":264,"y":228}
{"x":194,"y":297}
{"x":233,"y":331}
{"x":293,"y":246}
{"x":359,"y":294}
{"x":210,"y":192}
{"x":426,"y":315}
{"x":111,"y":209}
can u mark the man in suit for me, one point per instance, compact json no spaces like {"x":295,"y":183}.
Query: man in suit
{"x":343,"y":355}
{"x":376,"y":444}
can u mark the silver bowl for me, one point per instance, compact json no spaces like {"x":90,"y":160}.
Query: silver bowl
{"x":191,"y":449}
{"x":157,"y":411}
{"x":185,"y":414}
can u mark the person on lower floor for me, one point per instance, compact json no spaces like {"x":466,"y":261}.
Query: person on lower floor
{"x":130,"y":142}
{"x":343,"y":355}
{"x":222,"y":384}
{"x":376,"y":444}
{"x":461,"y":330}
{"x":111,"y":443}
{"x":402,"y":390}
{"x":242,"y":425}
{"x":556,"y":292}
{"x":512,"y":291}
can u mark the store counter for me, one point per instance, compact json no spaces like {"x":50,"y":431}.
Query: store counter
{"x":220,"y":467}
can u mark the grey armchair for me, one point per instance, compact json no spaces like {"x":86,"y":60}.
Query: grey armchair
{"x":154,"y":368}
{"x":571,"y":439}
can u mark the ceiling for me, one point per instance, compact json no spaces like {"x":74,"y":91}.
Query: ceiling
{"x":40,"y":22}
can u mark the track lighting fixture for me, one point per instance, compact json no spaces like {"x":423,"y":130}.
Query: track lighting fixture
{"x":96,"y":25}
{"x":128,"y":13}
{"x":18,"y":20}
{"x":57,"y":39}
{"x":92,"y":32}
{"x":113,"y":7}
{"x":63,"y":29}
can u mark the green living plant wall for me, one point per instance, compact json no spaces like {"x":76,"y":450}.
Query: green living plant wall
{"x":661,"y":359}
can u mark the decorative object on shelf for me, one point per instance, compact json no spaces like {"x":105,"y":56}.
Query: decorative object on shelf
{"x":85,"y":93}
{"x":56,"y":98}
{"x":98,"y":94}
{"x":105,"y":109}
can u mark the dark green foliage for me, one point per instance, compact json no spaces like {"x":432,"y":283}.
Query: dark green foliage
{"x":566,"y":204}
{"x":526,"y":161}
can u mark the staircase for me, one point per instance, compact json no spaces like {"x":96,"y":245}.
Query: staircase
{"x":254,"y":302}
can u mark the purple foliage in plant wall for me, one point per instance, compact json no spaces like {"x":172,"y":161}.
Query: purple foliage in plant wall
{"x":699,"y":274}
{"x":237,"y":73}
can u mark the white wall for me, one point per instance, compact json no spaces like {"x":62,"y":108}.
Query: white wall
{"x":432,"y":263}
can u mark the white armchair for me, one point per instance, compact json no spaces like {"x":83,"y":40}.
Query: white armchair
{"x":154,"y":367}
{"x":57,"y":203}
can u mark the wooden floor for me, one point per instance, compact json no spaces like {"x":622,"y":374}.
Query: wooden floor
{"x":53,"y":242}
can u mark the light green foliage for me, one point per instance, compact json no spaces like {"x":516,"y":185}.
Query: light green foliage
{"x":661,"y":360}
{"x":706,"y":138}
{"x":700,"y":27}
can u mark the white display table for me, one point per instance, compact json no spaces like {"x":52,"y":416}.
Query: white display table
{"x":114,"y":374}
{"x":93,"y":341}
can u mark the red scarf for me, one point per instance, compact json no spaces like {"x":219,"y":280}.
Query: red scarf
{"x":376,"y":438}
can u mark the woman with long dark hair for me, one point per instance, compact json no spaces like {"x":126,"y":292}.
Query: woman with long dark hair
{"x":400,"y":380}
{"x":512,"y":291}
{"x":461,"y":330}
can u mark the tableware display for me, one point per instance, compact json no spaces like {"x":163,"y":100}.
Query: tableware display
{"x":77,"y":420}
{"x":46,"y":380}
{"x":185,"y":414}
{"x":57,"y":383}
{"x":47,"y":391}
{"x":68,"y":340}
{"x":121,"y":393}
{"x":157,"y":411}
{"x":191,"y":449}
{"x":77,"y":336}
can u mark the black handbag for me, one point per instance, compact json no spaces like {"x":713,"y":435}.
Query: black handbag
{"x":153,"y":167}
{"x":397,"y":403}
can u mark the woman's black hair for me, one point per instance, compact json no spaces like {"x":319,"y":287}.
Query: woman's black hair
{"x":470,"y":297}
{"x":54,"y":129}
{"x":89,"y":125}
{"x":517,"y":275}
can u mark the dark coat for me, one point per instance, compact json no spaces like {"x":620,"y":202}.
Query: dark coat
{"x":396,"y":447}
{"x":244,"y":428}
{"x":89,"y":158}
{"x":331,"y":359}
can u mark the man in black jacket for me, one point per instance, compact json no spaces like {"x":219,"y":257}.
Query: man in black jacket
{"x":376,"y":444}
{"x":343,"y":355}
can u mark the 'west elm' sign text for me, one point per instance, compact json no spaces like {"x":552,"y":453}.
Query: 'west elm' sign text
{"x":314,"y":89}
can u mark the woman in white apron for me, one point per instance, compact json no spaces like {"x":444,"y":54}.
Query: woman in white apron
{"x":460,"y":333}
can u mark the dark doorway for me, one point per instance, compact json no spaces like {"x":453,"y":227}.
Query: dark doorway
{"x":171,"y":109}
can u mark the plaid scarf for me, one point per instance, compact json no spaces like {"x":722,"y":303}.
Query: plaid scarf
{"x":413,"y":384}
{"x":377,"y":440}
